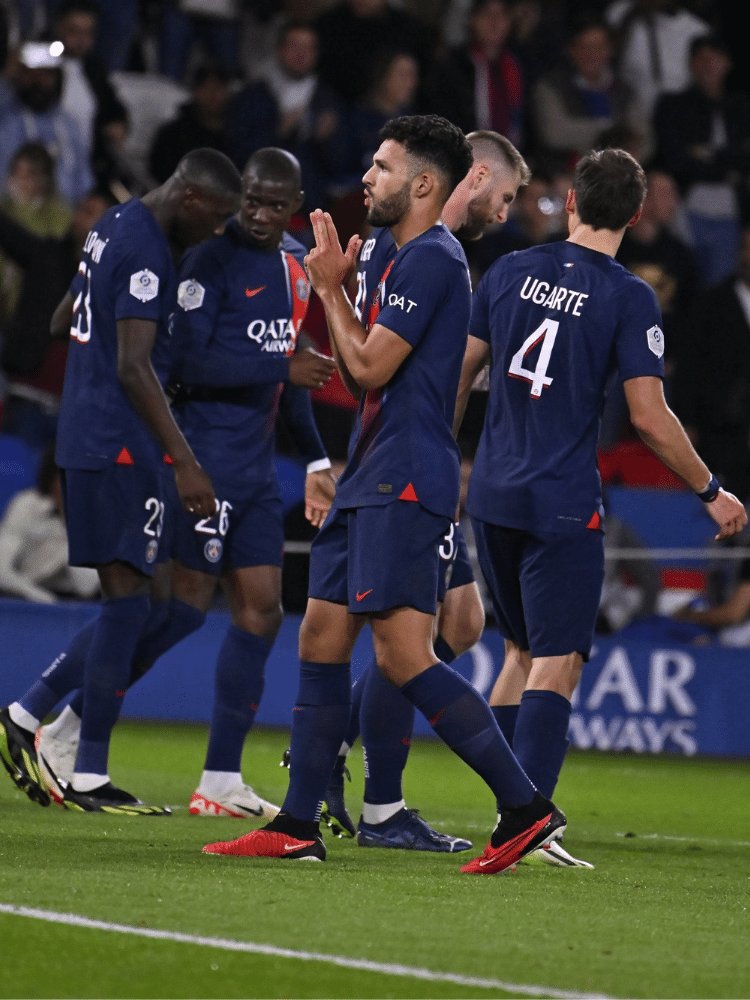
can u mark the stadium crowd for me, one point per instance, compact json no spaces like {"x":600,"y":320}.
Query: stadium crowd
{"x":319,"y":79}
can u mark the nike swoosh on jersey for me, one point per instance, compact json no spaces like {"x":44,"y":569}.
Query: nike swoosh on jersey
{"x":253,"y":291}
{"x":361,"y":597}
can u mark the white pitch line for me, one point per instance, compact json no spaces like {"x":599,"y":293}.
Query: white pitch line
{"x":227,"y":944}
{"x":717,"y":841}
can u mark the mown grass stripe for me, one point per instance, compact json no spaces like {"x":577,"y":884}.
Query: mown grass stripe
{"x":386,"y":968}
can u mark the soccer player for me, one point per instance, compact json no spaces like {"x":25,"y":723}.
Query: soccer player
{"x":239,"y":309}
{"x":242,"y":300}
{"x":114,"y":435}
{"x":554,"y":321}
{"x":481,"y":199}
{"x":375,"y":559}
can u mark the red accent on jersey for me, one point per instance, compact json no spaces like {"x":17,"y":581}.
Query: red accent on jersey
{"x":300,"y":288}
{"x":596,"y":521}
{"x":253,"y":291}
{"x":124,"y":458}
{"x":409,"y":494}
{"x":168,"y":460}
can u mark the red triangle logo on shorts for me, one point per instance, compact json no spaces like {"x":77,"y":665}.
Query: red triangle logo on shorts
{"x":596,"y":521}
{"x":409,"y":494}
{"x":124,"y":458}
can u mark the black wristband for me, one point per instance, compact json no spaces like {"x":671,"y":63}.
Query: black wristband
{"x":711,"y":491}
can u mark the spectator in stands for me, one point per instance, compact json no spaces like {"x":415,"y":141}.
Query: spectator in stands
{"x":87,"y":94}
{"x":573,"y":104}
{"x":703,"y":138}
{"x":653,"y":251}
{"x":653,"y":42}
{"x":32,"y":362}
{"x":287,"y":106}
{"x":392,"y":92}
{"x":35,"y":114}
{"x":479,"y":85}
{"x":353,"y":32}
{"x":212,"y":24}
{"x":712,"y":376}
{"x":34,"y":544}
{"x":30,"y":199}
{"x":730,"y":615}
{"x":201,"y":122}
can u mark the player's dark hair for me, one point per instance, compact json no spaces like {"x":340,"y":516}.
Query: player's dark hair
{"x":610,"y":186}
{"x":209,"y":170}
{"x":275,"y":164}
{"x":484,"y":141}
{"x":435,"y":141}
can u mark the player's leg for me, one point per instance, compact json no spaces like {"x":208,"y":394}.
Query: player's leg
{"x":507,"y":690}
{"x":247,"y":549}
{"x":323,"y":705}
{"x":115,"y":522}
{"x":254,"y":594}
{"x":464,"y":721}
{"x":402,"y":634}
{"x":387,"y":718}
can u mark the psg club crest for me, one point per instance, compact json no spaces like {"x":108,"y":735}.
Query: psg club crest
{"x":212,"y":549}
{"x":144,"y":285}
{"x":152,"y":550}
{"x":303,"y":289}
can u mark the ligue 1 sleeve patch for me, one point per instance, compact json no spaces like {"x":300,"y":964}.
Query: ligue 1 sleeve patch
{"x":190,"y":295}
{"x":144,"y":285}
{"x":655,"y":339}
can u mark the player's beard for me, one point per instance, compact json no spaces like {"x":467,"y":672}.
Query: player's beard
{"x":476,"y":221}
{"x":392,"y":209}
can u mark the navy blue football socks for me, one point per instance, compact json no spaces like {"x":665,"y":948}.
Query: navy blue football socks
{"x":464,"y":720}
{"x":106,"y":675}
{"x":541,"y":738}
{"x":319,"y":721}
{"x":387,"y":720}
{"x":64,"y":675}
{"x":443,"y":650}
{"x":238,"y":688}
{"x":505,"y":716}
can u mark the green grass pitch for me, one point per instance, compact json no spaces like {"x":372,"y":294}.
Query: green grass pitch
{"x":666,"y":912}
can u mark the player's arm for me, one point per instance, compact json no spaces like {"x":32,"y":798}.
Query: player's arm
{"x":196,"y":357}
{"x":295,"y":409}
{"x":62,"y":317}
{"x":135,"y":341}
{"x":476,"y":357}
{"x":662,"y":432}
{"x":367,"y":359}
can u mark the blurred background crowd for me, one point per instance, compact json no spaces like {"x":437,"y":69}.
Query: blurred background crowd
{"x":99,"y":99}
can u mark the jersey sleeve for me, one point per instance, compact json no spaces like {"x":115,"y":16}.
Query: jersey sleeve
{"x":639,"y":339}
{"x":199,"y":294}
{"x":479,"y":325}
{"x":421,"y":282}
{"x":140,"y":279}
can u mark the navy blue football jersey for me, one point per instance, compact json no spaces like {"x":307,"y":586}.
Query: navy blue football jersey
{"x":237,"y":307}
{"x":559,"y":319}
{"x":404,"y":445}
{"x":126,"y":272}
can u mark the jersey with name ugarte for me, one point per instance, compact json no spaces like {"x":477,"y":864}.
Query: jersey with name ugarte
{"x":404,"y":447}
{"x":239,"y":305}
{"x":126,"y":272}
{"x":559,"y":318}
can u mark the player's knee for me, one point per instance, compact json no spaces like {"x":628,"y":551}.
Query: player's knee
{"x":265,"y":620}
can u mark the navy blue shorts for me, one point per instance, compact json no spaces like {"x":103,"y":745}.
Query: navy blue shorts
{"x":454,"y":558}
{"x":545,"y":588}
{"x":377,"y":558}
{"x":247,"y":530}
{"x":117,"y":513}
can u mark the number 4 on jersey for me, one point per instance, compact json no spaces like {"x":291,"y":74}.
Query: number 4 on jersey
{"x":538,"y":377}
